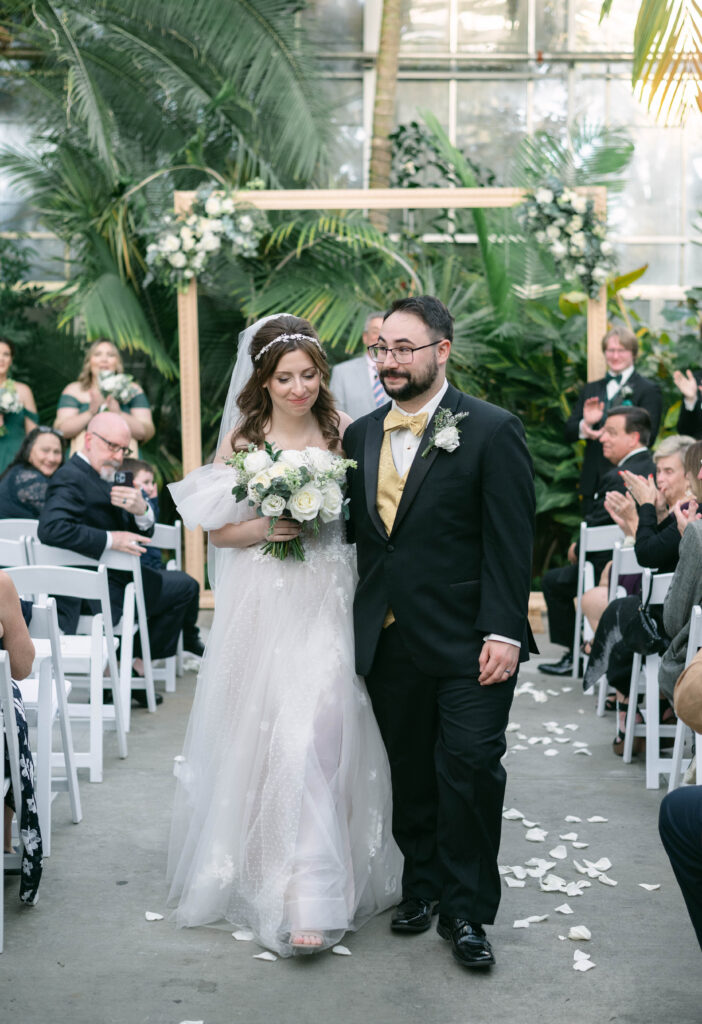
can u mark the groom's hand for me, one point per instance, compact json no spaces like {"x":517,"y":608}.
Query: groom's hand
{"x":498,"y":662}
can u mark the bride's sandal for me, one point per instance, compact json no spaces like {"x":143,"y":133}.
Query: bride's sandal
{"x":306,"y":941}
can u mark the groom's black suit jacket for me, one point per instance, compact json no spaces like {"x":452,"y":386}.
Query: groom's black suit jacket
{"x":457,"y":563}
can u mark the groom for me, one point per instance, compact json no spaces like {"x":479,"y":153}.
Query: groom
{"x":442,"y":507}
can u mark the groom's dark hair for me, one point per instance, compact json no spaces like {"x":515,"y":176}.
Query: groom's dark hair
{"x":430,"y":311}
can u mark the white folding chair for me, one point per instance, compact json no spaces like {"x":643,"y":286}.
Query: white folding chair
{"x":85,"y":657}
{"x":170,"y":539}
{"x":15,"y":529}
{"x":8,"y":738}
{"x":45,"y":554}
{"x":646,"y":668}
{"x":592,"y":539}
{"x":45,"y":697}
{"x":624,"y":563}
{"x":13,"y":552}
{"x":682,"y":731}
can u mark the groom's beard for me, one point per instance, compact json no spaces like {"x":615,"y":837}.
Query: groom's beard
{"x":415,"y":384}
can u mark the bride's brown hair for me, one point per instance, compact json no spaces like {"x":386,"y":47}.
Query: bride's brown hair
{"x":254,"y":400}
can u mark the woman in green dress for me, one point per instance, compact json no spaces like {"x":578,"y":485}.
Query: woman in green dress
{"x":82,"y":399}
{"x":13,"y":425}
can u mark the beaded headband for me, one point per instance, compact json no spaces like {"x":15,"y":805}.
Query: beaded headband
{"x":288,"y":337}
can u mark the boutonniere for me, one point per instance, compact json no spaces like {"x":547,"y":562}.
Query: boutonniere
{"x":625,"y":394}
{"x":446,"y":431}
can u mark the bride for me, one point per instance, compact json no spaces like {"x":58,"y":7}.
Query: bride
{"x":282,"y":819}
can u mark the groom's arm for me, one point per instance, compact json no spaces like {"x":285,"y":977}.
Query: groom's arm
{"x":507,"y":508}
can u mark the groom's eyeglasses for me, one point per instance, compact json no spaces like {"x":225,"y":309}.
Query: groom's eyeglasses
{"x":401,"y":354}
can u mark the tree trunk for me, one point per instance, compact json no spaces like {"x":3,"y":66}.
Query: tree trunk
{"x":384,"y":106}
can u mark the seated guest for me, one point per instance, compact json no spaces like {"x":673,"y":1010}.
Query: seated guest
{"x":622,"y":385}
{"x":143,"y":480}
{"x":85,"y":512}
{"x":624,"y":441}
{"x":654,"y":528}
{"x":355,"y":384}
{"x":24,"y":482}
{"x":690,"y":386}
{"x":684,"y":593}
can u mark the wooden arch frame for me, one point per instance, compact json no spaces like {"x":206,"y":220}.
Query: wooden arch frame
{"x":340,"y":199}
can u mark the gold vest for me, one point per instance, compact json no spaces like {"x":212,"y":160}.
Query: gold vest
{"x":390,"y":488}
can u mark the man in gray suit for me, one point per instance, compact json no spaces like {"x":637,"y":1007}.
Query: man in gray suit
{"x":355,"y":384}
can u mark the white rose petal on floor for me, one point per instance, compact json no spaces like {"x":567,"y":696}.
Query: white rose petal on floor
{"x":514,"y":883}
{"x":564,"y":909}
{"x":572,"y":818}
{"x":597,"y":819}
{"x":529,"y":824}
{"x":151,"y":916}
{"x":559,"y":852}
{"x":265,"y":956}
{"x":341,"y":951}
{"x":606,"y":880}
{"x":243,"y":935}
{"x":536,"y":835}
{"x":579,"y":933}
{"x":569,"y":836}
{"x":649,"y":887}
{"x":551,"y":752}
{"x":512,"y":814}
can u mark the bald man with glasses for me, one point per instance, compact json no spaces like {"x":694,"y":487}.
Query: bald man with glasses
{"x":87,"y":512}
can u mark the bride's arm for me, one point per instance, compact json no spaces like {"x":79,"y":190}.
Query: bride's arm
{"x":344,"y":421}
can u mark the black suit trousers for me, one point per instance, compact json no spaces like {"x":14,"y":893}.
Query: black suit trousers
{"x":445,"y":738}
{"x":680,"y":827}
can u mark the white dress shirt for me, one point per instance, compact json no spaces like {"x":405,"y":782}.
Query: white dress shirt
{"x":143,"y":521}
{"x":404,"y":448}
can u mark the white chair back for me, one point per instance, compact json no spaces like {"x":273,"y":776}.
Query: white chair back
{"x":15,"y":529}
{"x":592,"y":539}
{"x":8,"y":738}
{"x":170,"y":538}
{"x":13,"y":552}
{"x":694,"y":643}
{"x":624,"y":563}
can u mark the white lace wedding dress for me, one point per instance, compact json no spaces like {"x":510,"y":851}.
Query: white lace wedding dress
{"x":282,"y":818}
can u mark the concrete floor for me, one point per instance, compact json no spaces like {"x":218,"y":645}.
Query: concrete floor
{"x":86,"y":955}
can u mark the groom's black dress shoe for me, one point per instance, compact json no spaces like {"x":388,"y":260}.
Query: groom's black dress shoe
{"x":413,"y":915}
{"x":469,"y":941}
{"x":564,"y":667}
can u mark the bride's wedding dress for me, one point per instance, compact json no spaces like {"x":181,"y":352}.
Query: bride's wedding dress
{"x":282,"y":812}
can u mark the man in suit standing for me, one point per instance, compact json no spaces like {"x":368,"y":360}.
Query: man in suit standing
{"x":622,"y":385}
{"x":690,"y":386}
{"x":624,"y":440}
{"x":355,"y":384}
{"x":442,"y":507}
{"x":86,"y":512}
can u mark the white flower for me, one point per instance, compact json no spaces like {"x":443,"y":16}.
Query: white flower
{"x":187,"y":238}
{"x":209,"y":225}
{"x":151,"y":249}
{"x":543,"y":196}
{"x":318,"y":460}
{"x":198,"y":261}
{"x":292,"y":457}
{"x":579,"y":241}
{"x":553,"y":232}
{"x":540,"y":237}
{"x":228,"y":205}
{"x":332,"y":502}
{"x":448,"y":439}
{"x":177,"y":260}
{"x":598,"y":274}
{"x":409,"y":167}
{"x":579,"y":204}
{"x":305,"y":503}
{"x":580,"y":269}
{"x":169,"y":243}
{"x":606,"y":248}
{"x":273,"y":505}
{"x":558,"y":250}
{"x":261,"y":478}
{"x":255,"y":462}
{"x":209,"y":242}
{"x":576,"y":224}
{"x":566,"y":197}
{"x":246,"y":223}
{"x":213,"y":206}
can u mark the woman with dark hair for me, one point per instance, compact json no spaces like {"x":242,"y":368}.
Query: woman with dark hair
{"x":18,"y":410}
{"x":282,"y":820}
{"x":83,"y":398}
{"x":24,"y":482}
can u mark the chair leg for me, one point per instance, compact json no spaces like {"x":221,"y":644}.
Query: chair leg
{"x":630,"y":730}
{"x":69,"y":761}
{"x":96,"y":719}
{"x":676,"y":762}
{"x":42,"y":779}
{"x":179,"y":656}
{"x":653,"y":736}
{"x":170,"y":674}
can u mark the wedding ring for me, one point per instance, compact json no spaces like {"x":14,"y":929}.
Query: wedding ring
{"x":124,"y":501}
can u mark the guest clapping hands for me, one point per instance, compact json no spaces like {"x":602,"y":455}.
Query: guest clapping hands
{"x":690,"y":386}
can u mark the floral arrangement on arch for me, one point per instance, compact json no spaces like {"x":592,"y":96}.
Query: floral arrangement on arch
{"x":575,"y":236}
{"x":185,"y":244}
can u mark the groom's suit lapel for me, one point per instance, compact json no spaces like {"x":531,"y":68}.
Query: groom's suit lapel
{"x":371,"y":459}
{"x":420,"y":465}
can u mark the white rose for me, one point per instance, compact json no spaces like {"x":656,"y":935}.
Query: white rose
{"x":273,"y":505}
{"x":579,"y":204}
{"x":558,"y":250}
{"x":540,"y":237}
{"x":292,"y":457}
{"x":566,"y":197}
{"x":228,"y":205}
{"x":151,"y":249}
{"x":261,"y":478}
{"x":277,"y":470}
{"x":255,"y":462}
{"x":169,"y":243}
{"x":305,"y":503}
{"x":576,"y":224}
{"x":213,"y":206}
{"x":553,"y":232}
{"x":579,"y":241}
{"x":246,"y":223}
{"x":448,"y":439}
{"x":543,"y":196}
{"x":209,"y":242}
{"x":177,"y":260}
{"x":580,"y":269}
{"x":607,"y":248}
{"x":198,"y":261}
{"x":187,"y":239}
{"x":318,"y":460}
{"x":332,"y":502}
{"x":599,"y":274}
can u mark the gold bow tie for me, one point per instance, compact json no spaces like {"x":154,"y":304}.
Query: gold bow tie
{"x":400,"y":421}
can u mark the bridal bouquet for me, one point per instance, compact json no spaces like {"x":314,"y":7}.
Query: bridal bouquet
{"x":302,"y":485}
{"x":10,"y":401}
{"x":117,"y":385}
